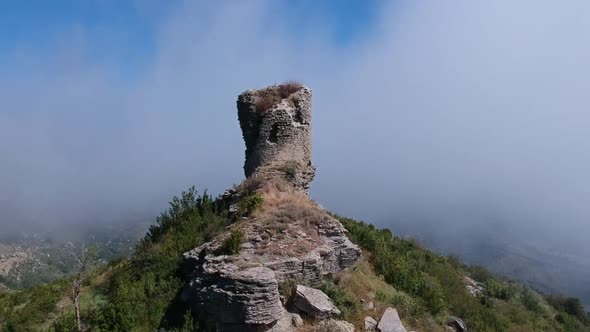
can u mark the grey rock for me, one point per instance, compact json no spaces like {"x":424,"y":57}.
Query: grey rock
{"x":370,"y":323}
{"x":284,"y":324}
{"x":390,"y":322}
{"x":475,"y":288}
{"x":278,"y":139}
{"x":332,"y":325}
{"x":222,"y":294}
{"x":314,"y":302}
{"x":297,"y":320}
{"x":457,"y":324}
{"x":368,"y":306}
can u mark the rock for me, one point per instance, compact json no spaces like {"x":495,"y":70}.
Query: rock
{"x":370,"y":323}
{"x":332,"y":325}
{"x":278,"y":133}
{"x":368,"y":306}
{"x":297,"y":320}
{"x":457,"y":323}
{"x":314,"y":302}
{"x":390,"y":322}
{"x":284,"y":324}
{"x":223,"y":294}
{"x":475,"y":288}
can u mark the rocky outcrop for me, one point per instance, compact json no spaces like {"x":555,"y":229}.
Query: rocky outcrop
{"x":225,"y":294}
{"x":290,"y":240}
{"x":276,"y":126}
{"x":390,"y":322}
{"x":314,"y":303}
{"x":243,"y":288}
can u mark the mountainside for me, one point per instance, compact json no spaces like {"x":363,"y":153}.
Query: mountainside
{"x":29,"y":259}
{"x":531,"y":261}
{"x":265,"y":257}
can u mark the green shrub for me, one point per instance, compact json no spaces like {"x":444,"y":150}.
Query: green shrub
{"x":530,"y":300}
{"x":344,"y":301}
{"x":479,"y":273}
{"x":436,"y":287}
{"x":231,"y":245}
{"x":499,"y":290}
{"x":286,"y":288}
{"x":143,"y":292}
{"x":250,"y":203}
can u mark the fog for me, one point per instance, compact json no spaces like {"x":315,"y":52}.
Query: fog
{"x":455,"y":117}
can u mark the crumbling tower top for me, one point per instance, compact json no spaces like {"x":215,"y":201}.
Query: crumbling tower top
{"x":276,"y":126}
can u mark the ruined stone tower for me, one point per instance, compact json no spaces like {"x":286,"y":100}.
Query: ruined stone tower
{"x":276,"y":125}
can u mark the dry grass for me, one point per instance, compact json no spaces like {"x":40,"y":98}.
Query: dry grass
{"x":269,"y":97}
{"x":291,"y":207}
{"x":289,"y":219}
{"x":288,"y":88}
{"x":251,"y":184}
{"x":363,"y":283}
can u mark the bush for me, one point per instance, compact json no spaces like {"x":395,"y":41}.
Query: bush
{"x":290,"y":169}
{"x":479,"y":273}
{"x":231,"y":245}
{"x":569,"y":305}
{"x":499,"y":290}
{"x":143,"y":292}
{"x":250,"y":203}
{"x":344,"y":301}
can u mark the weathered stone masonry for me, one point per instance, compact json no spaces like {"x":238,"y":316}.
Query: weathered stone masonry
{"x":278,"y":139}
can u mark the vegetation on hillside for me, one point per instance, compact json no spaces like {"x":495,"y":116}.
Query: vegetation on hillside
{"x":436,"y":288}
{"x":135,"y":294}
{"x":141,"y":293}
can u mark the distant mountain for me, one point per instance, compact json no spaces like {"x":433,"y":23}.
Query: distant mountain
{"x":28,"y":259}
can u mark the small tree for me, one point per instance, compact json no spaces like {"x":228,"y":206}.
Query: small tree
{"x":85,"y":259}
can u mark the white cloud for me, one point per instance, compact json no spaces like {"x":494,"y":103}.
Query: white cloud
{"x":446,"y":106}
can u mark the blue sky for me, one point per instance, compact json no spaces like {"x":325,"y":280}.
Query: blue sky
{"x":122,"y":34}
{"x":436,"y":110}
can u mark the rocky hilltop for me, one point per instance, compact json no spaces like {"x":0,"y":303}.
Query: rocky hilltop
{"x":288,"y":239}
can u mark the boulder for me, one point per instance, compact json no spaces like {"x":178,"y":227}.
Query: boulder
{"x":473,"y":287}
{"x":297,"y":320}
{"x":457,"y":323}
{"x":231,"y":298}
{"x":332,"y":325}
{"x":390,"y":322}
{"x":314,"y":302}
{"x":370,"y":323}
{"x":285,"y":324}
{"x":368,"y":306}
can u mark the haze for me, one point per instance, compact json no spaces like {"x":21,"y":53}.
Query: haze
{"x":462,"y":115}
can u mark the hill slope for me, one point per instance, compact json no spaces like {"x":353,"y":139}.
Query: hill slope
{"x":141,"y":293}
